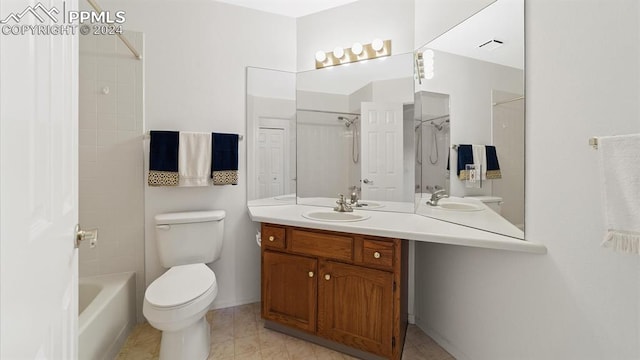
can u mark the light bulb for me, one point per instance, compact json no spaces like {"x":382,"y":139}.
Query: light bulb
{"x":338,"y":52}
{"x":377,"y":45}
{"x":428,"y":54}
{"x":321,"y":56}
{"x":356,"y":48}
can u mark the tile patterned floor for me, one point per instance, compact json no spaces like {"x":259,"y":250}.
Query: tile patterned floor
{"x":238,"y":333}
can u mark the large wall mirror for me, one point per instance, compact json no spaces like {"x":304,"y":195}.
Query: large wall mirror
{"x":271,"y":137}
{"x":470,"y":100}
{"x":355,"y":134}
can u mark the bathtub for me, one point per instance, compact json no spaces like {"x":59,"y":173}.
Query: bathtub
{"x":107,"y":313}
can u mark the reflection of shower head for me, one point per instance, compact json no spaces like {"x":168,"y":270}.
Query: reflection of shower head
{"x":441,"y":125}
{"x":347,"y":122}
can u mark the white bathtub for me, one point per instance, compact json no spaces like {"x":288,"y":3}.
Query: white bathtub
{"x":107,"y":308}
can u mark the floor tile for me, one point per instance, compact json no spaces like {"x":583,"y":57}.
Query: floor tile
{"x":238,"y":333}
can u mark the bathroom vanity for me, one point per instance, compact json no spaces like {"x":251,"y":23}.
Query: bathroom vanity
{"x":342,"y":290}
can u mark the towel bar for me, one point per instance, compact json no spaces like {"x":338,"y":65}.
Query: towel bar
{"x":147,"y":135}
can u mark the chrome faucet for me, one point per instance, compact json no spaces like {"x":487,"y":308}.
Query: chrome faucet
{"x":354,"y":200}
{"x":436,"y":196}
{"x":342,"y":205}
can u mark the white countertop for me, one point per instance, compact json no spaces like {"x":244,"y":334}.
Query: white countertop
{"x":396,"y":225}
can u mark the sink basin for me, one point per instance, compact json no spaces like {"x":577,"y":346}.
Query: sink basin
{"x":364,"y":204}
{"x":335,"y":216}
{"x":458,"y":206}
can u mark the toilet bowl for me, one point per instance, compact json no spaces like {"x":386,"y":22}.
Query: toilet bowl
{"x":176,"y":302}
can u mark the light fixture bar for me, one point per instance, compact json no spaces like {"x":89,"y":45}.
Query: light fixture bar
{"x":367,"y":51}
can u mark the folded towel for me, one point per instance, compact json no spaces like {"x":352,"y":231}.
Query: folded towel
{"x":620,"y":176}
{"x":163,"y":158}
{"x":465,"y":157}
{"x":480,"y":160}
{"x":194,"y":158}
{"x":493,"y":167}
{"x":224,"y":165}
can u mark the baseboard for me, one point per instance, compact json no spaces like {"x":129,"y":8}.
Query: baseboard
{"x":411,"y":318}
{"x":451,"y":349}
{"x":225,"y":304}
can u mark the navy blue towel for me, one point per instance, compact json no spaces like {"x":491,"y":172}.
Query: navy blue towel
{"x":465,"y":157}
{"x":163,"y":151}
{"x":224,"y":159}
{"x":224,"y":152}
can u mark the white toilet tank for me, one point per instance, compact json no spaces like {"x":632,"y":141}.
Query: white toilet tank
{"x":493,"y":202}
{"x":189,"y":237}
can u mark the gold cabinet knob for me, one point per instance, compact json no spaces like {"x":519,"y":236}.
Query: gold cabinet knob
{"x":310,"y":274}
{"x":327,"y":277}
{"x":271,"y":238}
{"x":376,"y":255}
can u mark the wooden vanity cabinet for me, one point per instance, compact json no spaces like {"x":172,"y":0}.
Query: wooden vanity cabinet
{"x":349,"y":289}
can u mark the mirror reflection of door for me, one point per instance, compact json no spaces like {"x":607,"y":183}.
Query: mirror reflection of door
{"x":273,"y":155}
{"x":270,"y":163}
{"x":382,"y":158}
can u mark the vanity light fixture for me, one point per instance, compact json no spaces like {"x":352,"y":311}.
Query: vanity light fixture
{"x":425,"y":65}
{"x":491,"y":44}
{"x":357,"y":52}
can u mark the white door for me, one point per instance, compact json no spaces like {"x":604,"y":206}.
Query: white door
{"x":270,"y":163}
{"x":38,"y":189}
{"x":381,"y":138}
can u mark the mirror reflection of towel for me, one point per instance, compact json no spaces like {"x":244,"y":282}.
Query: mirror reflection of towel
{"x":493,"y":167}
{"x":224,"y":161}
{"x":490,"y":166}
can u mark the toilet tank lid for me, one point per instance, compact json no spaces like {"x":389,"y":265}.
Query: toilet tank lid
{"x":486,"y":198}
{"x":189,"y":217}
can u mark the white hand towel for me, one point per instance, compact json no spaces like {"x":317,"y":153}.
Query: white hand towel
{"x":620,"y":175}
{"x":480,"y":159}
{"x":194,"y":158}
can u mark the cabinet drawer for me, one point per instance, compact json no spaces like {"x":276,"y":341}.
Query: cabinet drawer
{"x":273,"y":237}
{"x":321,"y":244}
{"x":377,"y":253}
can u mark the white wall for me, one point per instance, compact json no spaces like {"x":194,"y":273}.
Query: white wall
{"x":580,"y":301}
{"x":360,"y":21}
{"x":111,"y":191}
{"x":196,"y":52}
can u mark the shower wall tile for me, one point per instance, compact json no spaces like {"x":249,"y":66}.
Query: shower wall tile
{"x":111,"y":164}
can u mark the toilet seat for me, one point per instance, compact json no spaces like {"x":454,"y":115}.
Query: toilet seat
{"x":180,"y":286}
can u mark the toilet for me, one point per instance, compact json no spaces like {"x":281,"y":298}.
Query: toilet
{"x":493,"y":202}
{"x":176,"y":303}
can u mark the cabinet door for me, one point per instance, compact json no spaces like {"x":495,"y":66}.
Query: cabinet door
{"x":355,"y":307}
{"x":289,"y":290}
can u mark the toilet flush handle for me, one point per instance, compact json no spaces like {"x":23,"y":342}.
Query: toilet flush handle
{"x":163,"y":227}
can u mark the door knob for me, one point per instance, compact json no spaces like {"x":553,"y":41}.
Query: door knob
{"x":367,"y":181}
{"x":82,"y":235}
